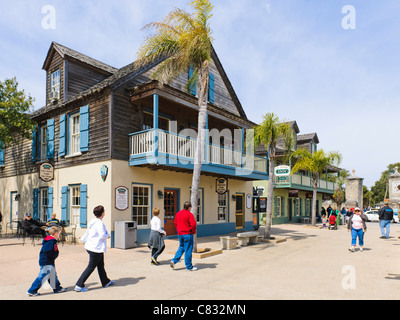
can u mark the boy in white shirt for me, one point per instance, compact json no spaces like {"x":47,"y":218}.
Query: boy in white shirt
{"x":156,"y":241}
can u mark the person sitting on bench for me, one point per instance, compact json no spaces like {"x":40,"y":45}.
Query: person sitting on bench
{"x":32,"y":226}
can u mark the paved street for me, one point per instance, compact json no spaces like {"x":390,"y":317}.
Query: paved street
{"x":311,"y":264}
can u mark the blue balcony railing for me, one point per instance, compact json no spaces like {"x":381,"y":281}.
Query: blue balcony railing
{"x":156,"y":146}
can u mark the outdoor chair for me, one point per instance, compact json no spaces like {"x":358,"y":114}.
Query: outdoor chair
{"x":65,"y":235}
{"x":22,"y":233}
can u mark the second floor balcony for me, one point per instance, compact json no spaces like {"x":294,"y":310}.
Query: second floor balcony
{"x":171,"y":150}
{"x":304,"y":182}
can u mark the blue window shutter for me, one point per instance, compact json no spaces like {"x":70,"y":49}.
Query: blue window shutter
{"x":50,"y":139}
{"x":1,"y":154}
{"x":275,"y":207}
{"x":211,"y":89}
{"x":61,"y":147}
{"x":64,"y":204}
{"x":49,"y":202}
{"x":35,"y":204}
{"x":193,"y":88}
{"x":282,"y":206}
{"x":84,"y":129}
{"x":34,"y":144}
{"x":83,"y":209}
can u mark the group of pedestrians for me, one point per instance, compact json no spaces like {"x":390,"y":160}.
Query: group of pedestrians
{"x":95,"y":239}
{"x":357,"y":225}
{"x":95,"y":244}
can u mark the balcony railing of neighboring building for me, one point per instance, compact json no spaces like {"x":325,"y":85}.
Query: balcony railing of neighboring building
{"x":299,"y":180}
{"x":178,"y":150}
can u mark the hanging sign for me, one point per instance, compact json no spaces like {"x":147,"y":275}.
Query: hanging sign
{"x":282,"y":171}
{"x":46,"y":172}
{"x":221,"y":186}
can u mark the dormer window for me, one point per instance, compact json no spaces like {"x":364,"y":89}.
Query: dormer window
{"x":55,"y":85}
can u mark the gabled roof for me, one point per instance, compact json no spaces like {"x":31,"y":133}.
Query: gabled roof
{"x":120,"y":76}
{"x":307,"y":137}
{"x":64,"y":51}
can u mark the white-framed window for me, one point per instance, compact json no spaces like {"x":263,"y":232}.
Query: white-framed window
{"x":43,"y":142}
{"x":43,"y":204}
{"x":222,"y":206}
{"x":55,"y":82}
{"x":141,"y":200}
{"x":74,"y":134}
{"x":75,"y":205}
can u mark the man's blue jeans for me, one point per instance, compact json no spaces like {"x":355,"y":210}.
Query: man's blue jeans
{"x":185,"y":247}
{"x":385,"y":224}
{"x":354,"y":234}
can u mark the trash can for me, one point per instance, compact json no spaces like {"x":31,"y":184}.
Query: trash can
{"x":125,"y":234}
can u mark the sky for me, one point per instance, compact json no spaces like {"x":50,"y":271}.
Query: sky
{"x":334,"y":69}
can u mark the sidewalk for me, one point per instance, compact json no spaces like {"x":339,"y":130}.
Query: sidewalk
{"x":311,"y":264}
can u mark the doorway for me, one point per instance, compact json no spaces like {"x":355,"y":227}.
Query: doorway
{"x":170,"y":209}
{"x":239,"y":213}
{"x":14,"y":209}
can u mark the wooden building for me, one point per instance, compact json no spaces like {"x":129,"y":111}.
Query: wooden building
{"x":115,"y":137}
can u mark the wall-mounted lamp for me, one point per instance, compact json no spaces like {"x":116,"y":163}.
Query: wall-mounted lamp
{"x":160,"y":194}
{"x":234,"y":197}
{"x":17,"y":197}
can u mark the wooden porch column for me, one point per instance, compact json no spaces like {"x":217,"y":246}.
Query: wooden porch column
{"x":155,"y":123}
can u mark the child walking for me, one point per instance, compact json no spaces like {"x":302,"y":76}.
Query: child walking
{"x":156,"y":241}
{"x":48,"y":255}
{"x":324,"y":220}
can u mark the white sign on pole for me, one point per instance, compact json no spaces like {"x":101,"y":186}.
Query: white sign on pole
{"x":282,"y":171}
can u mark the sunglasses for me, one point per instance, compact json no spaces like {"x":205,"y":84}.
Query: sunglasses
{"x":357,"y":210}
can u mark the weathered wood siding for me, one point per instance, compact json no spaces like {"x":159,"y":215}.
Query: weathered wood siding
{"x":56,"y":63}
{"x":81,"y":77}
{"x":18,"y":158}
{"x":222,"y":97}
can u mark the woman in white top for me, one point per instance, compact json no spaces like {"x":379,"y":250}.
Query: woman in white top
{"x":357,"y":225}
{"x":156,"y":241}
{"x":95,"y":240}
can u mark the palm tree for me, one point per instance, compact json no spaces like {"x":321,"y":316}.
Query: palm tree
{"x":182,"y":41}
{"x":268,"y":133}
{"x":315,"y":163}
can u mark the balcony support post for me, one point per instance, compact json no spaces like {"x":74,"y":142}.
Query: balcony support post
{"x":155,"y":124}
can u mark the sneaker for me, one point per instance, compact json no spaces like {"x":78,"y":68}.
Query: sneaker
{"x":361,"y":249}
{"x":193,"y":269}
{"x":172,"y":264}
{"x":154,"y":261}
{"x":351,"y":250}
{"x":33,"y":294}
{"x":109,"y":284}
{"x":61,"y":290}
{"x":79,"y":289}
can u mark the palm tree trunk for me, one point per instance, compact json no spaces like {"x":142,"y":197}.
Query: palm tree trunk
{"x":270,"y":196}
{"x":315,"y":180}
{"x":200,"y":148}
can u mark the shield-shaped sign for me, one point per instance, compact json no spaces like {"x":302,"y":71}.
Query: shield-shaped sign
{"x":104,"y":172}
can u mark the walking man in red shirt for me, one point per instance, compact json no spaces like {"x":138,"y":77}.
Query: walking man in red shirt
{"x":186,"y":227}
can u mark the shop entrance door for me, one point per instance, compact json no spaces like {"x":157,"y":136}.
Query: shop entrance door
{"x":239,"y":213}
{"x":170,"y":209}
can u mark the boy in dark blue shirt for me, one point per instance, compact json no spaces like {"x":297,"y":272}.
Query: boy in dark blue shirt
{"x":48,"y":255}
